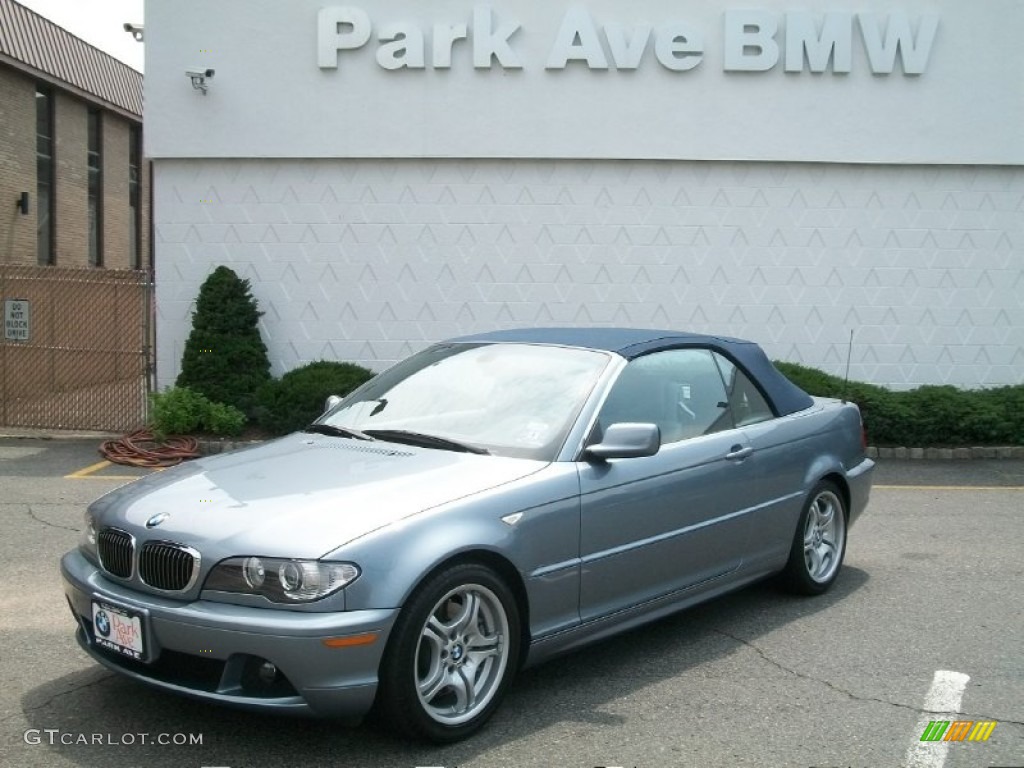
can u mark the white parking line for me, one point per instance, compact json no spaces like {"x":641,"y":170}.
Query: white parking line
{"x":942,"y":701}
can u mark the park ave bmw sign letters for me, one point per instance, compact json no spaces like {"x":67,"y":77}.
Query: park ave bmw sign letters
{"x":752,"y":41}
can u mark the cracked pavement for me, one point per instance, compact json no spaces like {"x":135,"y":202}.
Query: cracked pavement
{"x":757,"y":678}
{"x":961,"y":715}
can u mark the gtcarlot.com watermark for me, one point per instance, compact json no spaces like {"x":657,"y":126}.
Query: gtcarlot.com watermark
{"x":55,"y":737}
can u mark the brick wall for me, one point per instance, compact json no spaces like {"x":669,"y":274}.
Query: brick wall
{"x":17,"y":167}
{"x":116,"y":213}
{"x":72,"y":181}
{"x":116,"y":209}
{"x":18,"y":174}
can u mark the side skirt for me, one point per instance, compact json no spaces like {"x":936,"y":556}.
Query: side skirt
{"x":547,"y":647}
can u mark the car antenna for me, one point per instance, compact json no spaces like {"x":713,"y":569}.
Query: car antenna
{"x":846,"y":376}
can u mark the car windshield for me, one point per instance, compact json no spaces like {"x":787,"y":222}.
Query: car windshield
{"x":516,"y":400}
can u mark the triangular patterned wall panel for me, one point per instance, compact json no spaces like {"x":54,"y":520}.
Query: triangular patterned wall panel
{"x":366,"y":260}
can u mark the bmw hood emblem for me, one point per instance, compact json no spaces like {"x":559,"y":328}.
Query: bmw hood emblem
{"x":156,"y":519}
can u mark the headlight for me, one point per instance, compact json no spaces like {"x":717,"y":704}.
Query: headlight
{"x":280,"y":580}
{"x":87,"y":541}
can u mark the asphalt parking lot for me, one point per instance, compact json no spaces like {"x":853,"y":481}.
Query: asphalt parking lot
{"x":932,"y":584}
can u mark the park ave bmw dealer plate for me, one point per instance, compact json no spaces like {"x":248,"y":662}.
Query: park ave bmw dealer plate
{"x":117,"y":630}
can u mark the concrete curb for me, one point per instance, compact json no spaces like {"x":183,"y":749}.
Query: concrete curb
{"x":24,"y":433}
{"x":209,"y":447}
{"x":975,"y":452}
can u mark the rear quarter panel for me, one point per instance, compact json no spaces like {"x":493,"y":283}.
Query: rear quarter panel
{"x":791,"y":455}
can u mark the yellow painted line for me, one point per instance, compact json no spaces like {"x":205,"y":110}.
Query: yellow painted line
{"x":949,"y":487}
{"x":88,"y":473}
{"x":85,"y":472}
{"x":105,"y":477}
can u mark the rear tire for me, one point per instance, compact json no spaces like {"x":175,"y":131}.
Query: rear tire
{"x":452,"y":654}
{"x":819,"y":543}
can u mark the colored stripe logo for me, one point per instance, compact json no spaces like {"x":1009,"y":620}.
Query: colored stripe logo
{"x":958,"y":730}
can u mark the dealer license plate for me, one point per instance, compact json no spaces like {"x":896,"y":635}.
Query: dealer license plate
{"x":117,"y":630}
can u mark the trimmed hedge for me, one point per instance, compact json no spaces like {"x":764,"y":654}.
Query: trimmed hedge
{"x":297,"y":398}
{"x":926,"y":416}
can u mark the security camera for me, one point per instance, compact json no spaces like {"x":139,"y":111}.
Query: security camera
{"x":135,"y":30}
{"x":199,"y":78}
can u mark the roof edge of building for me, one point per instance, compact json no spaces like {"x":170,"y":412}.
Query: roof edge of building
{"x":42,"y":48}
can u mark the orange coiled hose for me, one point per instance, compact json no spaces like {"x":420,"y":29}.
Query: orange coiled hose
{"x":142,"y":449}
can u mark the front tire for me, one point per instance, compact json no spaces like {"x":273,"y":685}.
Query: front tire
{"x":452,"y":654}
{"x":819,"y":543}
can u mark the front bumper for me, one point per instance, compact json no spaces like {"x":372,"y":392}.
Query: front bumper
{"x":214,"y":651}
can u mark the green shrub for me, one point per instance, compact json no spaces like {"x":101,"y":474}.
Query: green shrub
{"x":182,"y":411}
{"x":224,"y":420}
{"x":926,"y":416}
{"x":297,"y":398}
{"x":225,"y":358}
{"x":822,"y":384}
{"x":810,"y":380}
{"x":1008,"y":403}
{"x":176,"y":411}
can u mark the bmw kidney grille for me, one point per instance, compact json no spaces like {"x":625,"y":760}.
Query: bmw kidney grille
{"x":162,"y":565}
{"x":116,"y":549}
{"x":167,"y":566}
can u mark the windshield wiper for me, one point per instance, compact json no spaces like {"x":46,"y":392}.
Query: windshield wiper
{"x":424,"y":441}
{"x":333,"y":431}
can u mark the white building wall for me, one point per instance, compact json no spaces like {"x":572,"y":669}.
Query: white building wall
{"x":948,"y":92}
{"x":370,"y":260}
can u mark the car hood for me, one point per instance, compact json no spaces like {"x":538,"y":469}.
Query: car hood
{"x":301,"y":496}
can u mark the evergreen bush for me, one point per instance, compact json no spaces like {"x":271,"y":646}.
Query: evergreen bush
{"x":297,"y":398}
{"x":225,"y":358}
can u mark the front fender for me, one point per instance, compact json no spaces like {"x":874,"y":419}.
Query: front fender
{"x":541,"y":544}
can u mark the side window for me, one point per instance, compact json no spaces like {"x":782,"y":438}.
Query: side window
{"x":746,"y":403}
{"x":680,"y":390}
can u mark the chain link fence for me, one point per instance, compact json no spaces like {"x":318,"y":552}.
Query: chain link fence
{"x":76,"y":349}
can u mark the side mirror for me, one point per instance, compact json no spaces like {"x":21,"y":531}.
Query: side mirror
{"x":331,"y":401}
{"x":626,"y":441}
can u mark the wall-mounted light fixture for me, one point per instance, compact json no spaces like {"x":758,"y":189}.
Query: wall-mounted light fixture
{"x":199,"y":78}
{"x":23,"y":203}
{"x":135,"y":30}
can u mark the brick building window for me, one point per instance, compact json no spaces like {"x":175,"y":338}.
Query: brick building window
{"x":134,"y":197}
{"x":95,"y":188}
{"x":46,"y":222}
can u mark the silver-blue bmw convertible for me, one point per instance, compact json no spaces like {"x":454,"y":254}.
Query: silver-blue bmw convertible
{"x":488,"y":503}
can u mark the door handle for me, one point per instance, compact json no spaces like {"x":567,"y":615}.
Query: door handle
{"x":738,"y":454}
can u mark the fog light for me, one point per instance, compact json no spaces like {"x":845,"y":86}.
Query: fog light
{"x":267,"y":672}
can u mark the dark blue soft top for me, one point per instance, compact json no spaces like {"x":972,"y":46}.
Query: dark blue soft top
{"x":630,"y":343}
